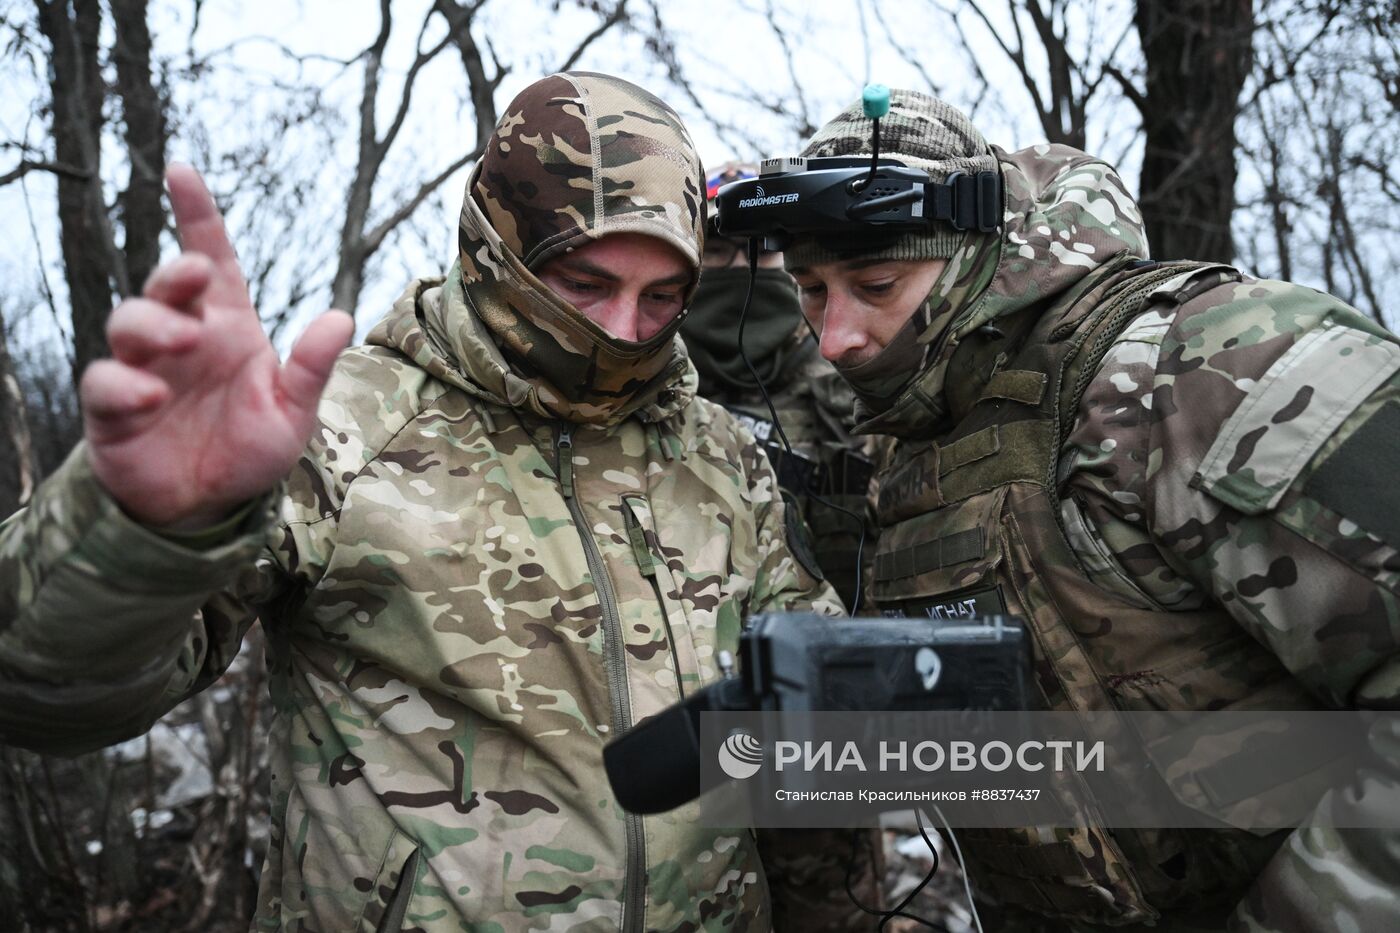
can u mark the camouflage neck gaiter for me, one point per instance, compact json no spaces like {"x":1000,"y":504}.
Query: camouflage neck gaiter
{"x":576,"y":371}
{"x":878,"y":381}
{"x":918,"y":367}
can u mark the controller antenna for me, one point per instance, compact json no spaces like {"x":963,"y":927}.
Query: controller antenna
{"x":875,"y":101}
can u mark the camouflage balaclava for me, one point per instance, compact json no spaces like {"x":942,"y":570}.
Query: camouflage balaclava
{"x":926,"y":133}
{"x":577,"y":156}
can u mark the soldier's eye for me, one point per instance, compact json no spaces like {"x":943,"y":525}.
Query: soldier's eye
{"x":878,"y":288}
{"x":576,"y":285}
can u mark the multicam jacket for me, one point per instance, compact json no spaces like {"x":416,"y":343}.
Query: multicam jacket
{"x":1182,"y":479}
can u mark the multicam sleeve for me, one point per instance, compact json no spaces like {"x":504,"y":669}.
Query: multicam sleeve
{"x":101,"y":625}
{"x":788,"y":577}
{"x":1271,"y":484}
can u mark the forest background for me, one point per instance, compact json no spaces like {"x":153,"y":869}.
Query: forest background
{"x":336,"y":136}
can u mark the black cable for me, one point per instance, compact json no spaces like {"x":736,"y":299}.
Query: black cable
{"x":863,"y":183}
{"x":874,"y":147}
{"x":898,"y":910}
{"x":933,"y":850}
{"x":753,"y":248}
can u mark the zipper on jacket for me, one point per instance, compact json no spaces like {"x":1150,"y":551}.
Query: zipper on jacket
{"x":564,"y":454}
{"x":646,"y":563}
{"x":634,"y":880}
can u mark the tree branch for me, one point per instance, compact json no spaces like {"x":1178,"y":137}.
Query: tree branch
{"x":1064,"y":120}
{"x":1130,"y":91}
{"x":374,"y":238}
{"x":1018,"y":56}
{"x":659,"y":44}
{"x":301,"y":58}
{"x":909,"y":59}
{"x":31,"y":165}
{"x":1092,"y":85}
{"x":618,"y":14}
{"x":374,"y":59}
{"x":481,"y":87}
{"x":421,"y":59}
{"x":805,"y":128}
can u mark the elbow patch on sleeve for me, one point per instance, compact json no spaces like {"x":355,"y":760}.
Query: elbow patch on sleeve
{"x":1298,"y":404}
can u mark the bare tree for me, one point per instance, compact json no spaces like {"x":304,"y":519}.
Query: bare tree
{"x":145,"y":135}
{"x":95,"y":267}
{"x":1196,"y":58}
{"x":786,"y":108}
{"x":1322,"y":144}
{"x":1075,"y":63}
{"x":1198,"y":55}
{"x":481,"y":87}
{"x":360,"y":238}
{"x":86,"y":239}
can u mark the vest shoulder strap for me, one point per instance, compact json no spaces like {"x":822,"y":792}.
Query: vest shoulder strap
{"x":1173,"y":283}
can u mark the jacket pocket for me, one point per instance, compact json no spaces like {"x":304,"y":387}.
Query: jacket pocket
{"x":1269,"y":438}
{"x":1096,"y":560}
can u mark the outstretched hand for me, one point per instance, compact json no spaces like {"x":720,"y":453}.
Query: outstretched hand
{"x":194,"y":413}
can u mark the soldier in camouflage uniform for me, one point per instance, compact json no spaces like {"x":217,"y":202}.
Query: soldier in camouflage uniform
{"x":514,"y":531}
{"x":814,"y":406}
{"x":1182,"y":479}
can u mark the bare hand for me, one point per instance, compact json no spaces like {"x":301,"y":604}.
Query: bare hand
{"x":195,"y":413}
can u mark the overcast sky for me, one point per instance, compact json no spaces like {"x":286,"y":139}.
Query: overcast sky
{"x":727,"y":48}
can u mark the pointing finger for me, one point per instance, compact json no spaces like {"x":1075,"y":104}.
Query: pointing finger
{"x":201,"y":230}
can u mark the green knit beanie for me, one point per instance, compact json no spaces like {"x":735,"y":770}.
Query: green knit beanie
{"x":922,"y":132}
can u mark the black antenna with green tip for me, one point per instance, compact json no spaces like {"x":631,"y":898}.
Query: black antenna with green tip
{"x":875,"y":101}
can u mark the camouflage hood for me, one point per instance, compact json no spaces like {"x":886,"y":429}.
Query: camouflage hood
{"x":1067,"y":215}
{"x":576,"y":157}
{"x":580,"y":155}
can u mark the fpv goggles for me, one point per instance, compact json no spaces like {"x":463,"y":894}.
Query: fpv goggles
{"x":853,"y":197}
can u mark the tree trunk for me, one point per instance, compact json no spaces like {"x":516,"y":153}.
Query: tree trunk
{"x":143,"y":111}
{"x":1198,"y":54}
{"x":1063,"y":115}
{"x":481,"y":87}
{"x":75,"y":79}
